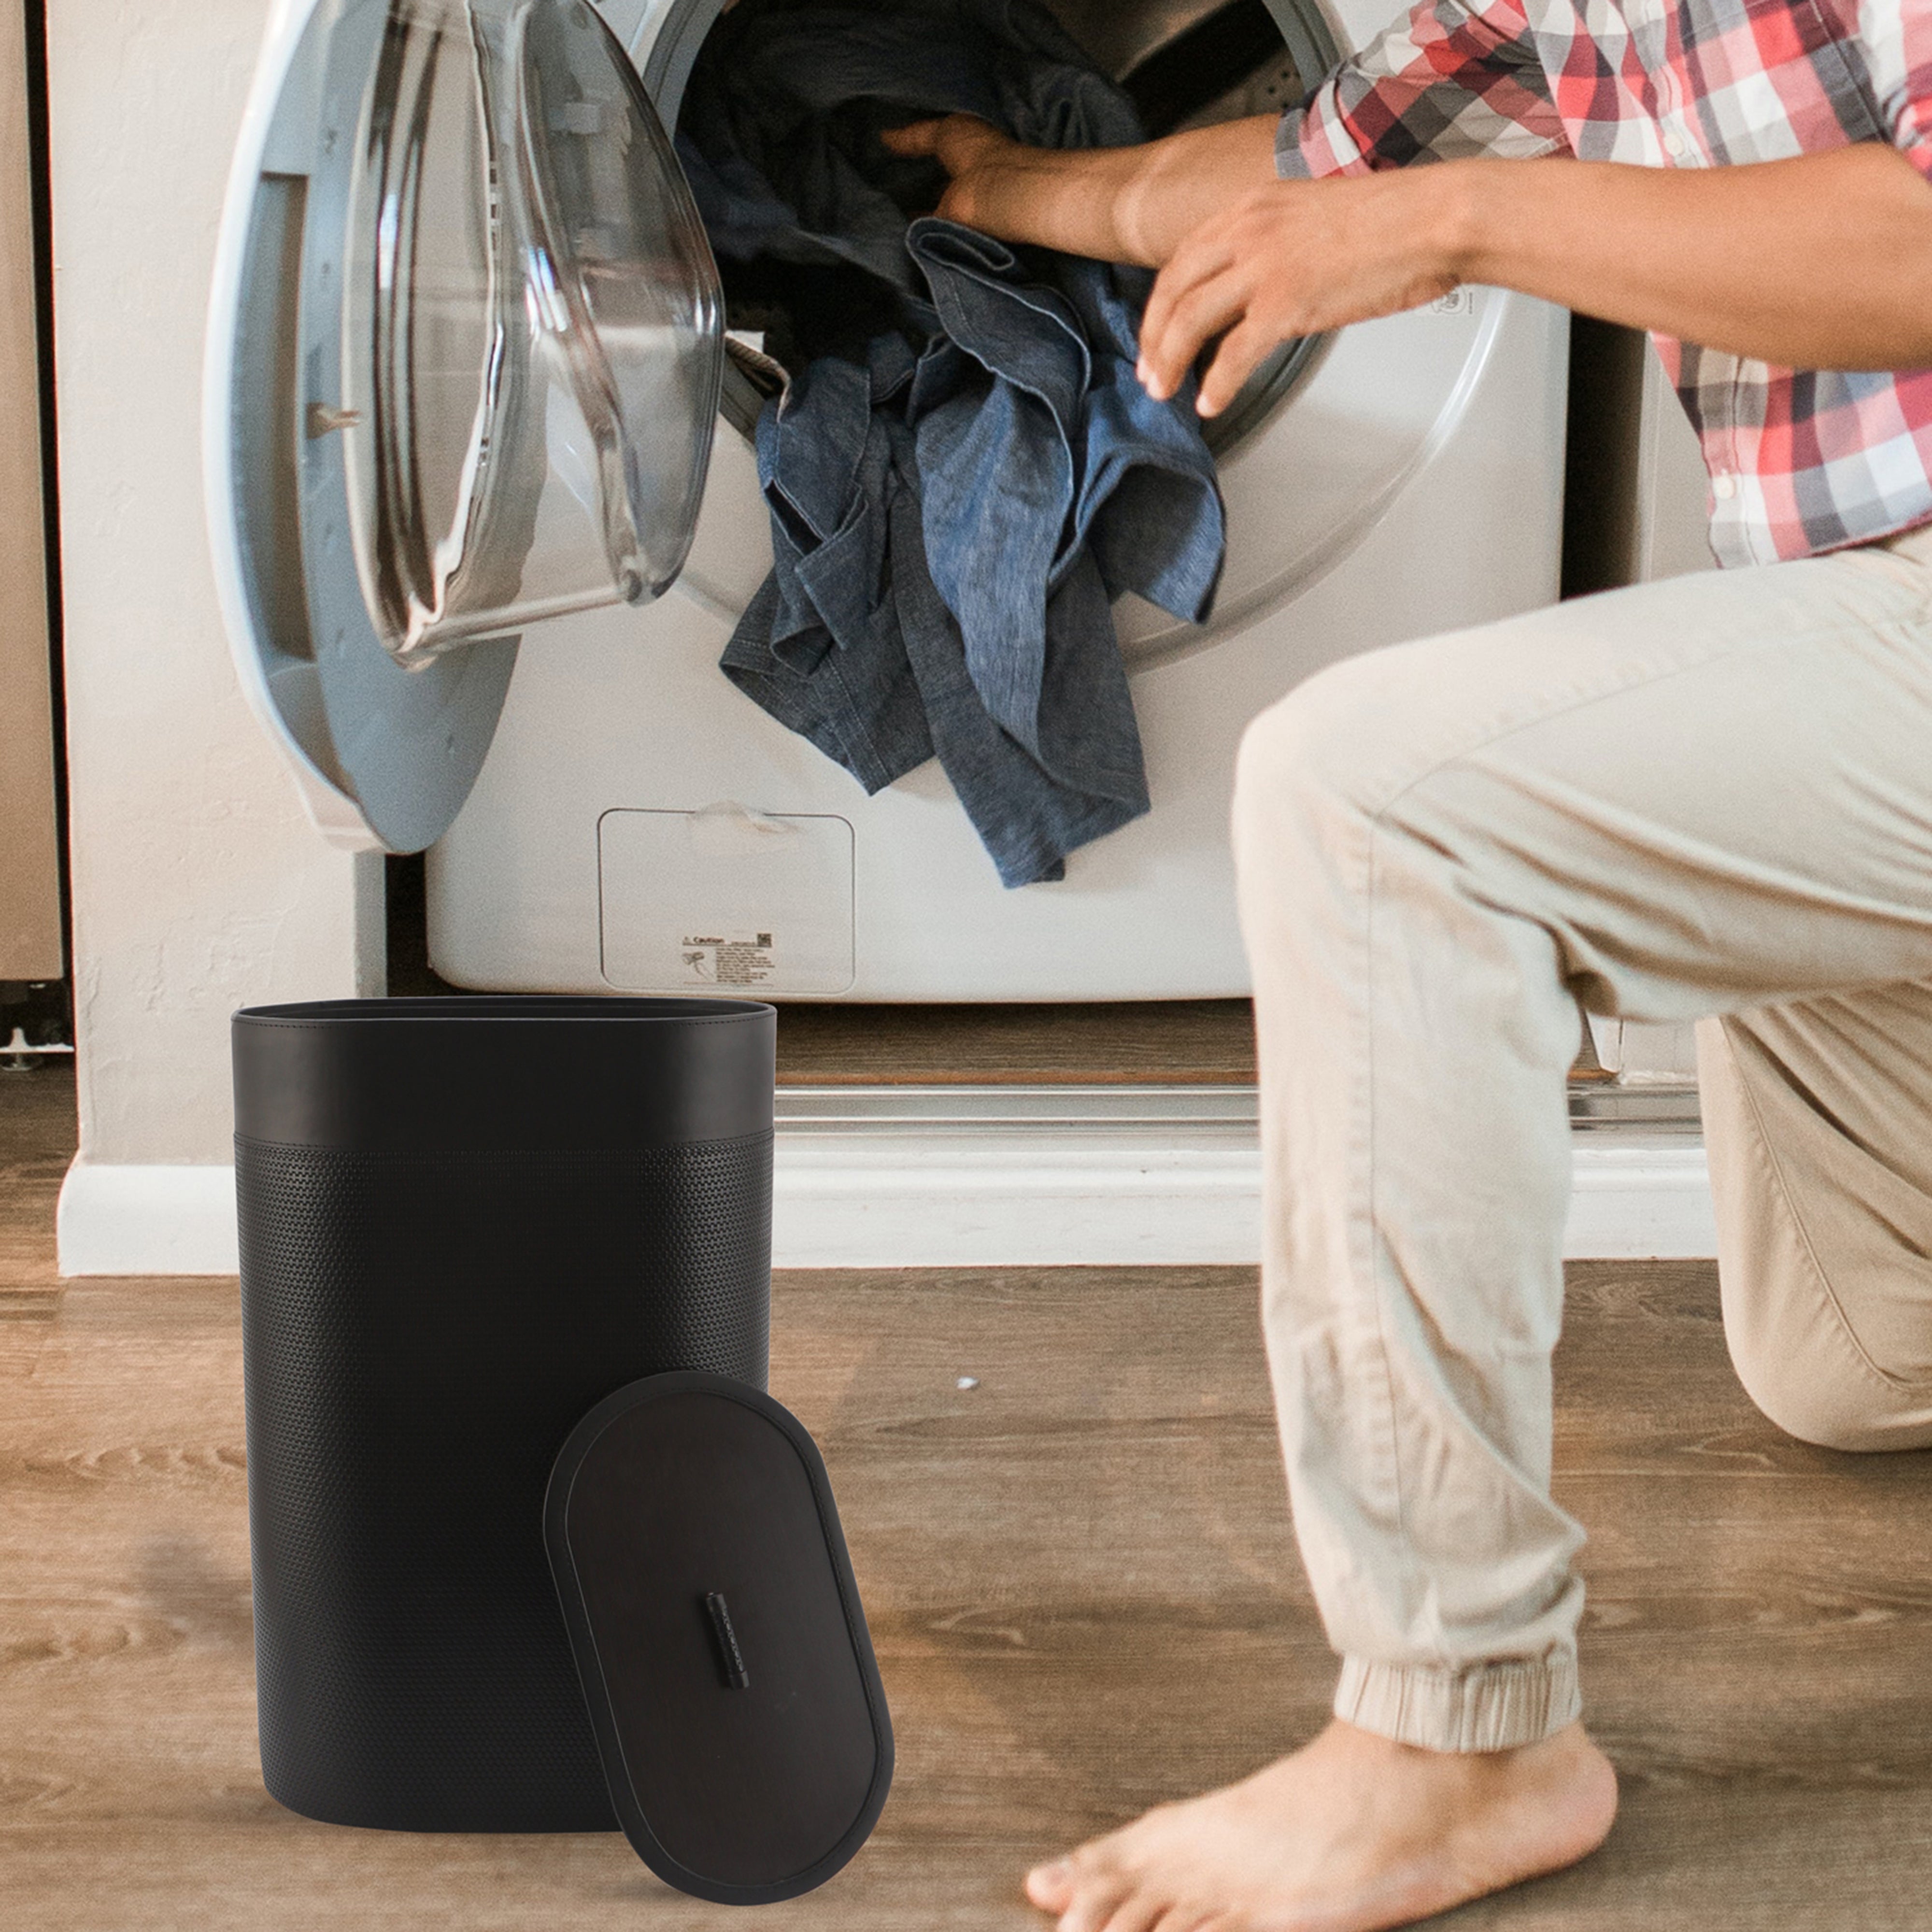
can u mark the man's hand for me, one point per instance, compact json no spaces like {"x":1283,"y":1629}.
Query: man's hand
{"x":1293,"y":258}
{"x":971,"y":151}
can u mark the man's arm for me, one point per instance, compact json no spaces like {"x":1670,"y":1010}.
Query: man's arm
{"x":1115,"y":204}
{"x":1824,"y":261}
{"x":1450,"y":79}
{"x":1813,"y":264}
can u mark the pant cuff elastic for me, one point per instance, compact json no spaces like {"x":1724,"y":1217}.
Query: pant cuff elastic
{"x":1492,"y":1707}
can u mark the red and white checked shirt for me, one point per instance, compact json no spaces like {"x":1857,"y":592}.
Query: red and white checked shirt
{"x":1800,"y":460}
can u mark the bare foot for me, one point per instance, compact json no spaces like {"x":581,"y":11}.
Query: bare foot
{"x":1351,"y":1834}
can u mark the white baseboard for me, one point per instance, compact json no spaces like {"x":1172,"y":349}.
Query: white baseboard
{"x":861,"y":1182}
{"x":146,"y":1220}
{"x":948,"y":1202}
{"x":1071,"y":1206}
{"x":1640,"y":1203}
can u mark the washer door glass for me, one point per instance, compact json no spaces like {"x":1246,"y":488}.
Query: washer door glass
{"x":531,"y":327}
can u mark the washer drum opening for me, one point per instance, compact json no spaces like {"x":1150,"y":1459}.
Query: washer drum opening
{"x":1187,"y":64}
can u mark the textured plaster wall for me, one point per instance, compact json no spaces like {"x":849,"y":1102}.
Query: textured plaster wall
{"x":198,"y":886}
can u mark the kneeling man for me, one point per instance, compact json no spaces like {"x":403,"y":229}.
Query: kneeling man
{"x":1707,"y":798}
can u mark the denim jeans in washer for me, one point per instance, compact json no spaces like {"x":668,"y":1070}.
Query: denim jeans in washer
{"x":956,"y":501}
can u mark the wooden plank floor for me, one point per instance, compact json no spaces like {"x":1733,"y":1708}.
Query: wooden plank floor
{"x":1169,"y":1043}
{"x":1081,"y":1585}
{"x":36,"y":1137}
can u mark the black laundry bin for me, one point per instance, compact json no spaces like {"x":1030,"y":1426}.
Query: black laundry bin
{"x":465,"y":1223}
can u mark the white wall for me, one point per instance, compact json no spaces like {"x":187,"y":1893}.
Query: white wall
{"x":198,"y":885}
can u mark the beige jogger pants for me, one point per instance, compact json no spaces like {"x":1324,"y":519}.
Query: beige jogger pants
{"x":1707,"y":798}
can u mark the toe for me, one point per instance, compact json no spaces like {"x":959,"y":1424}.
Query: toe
{"x":1185,"y":1919}
{"x":1139,"y":1911}
{"x":1095,"y":1890}
{"x":1051,"y":1886}
{"x":1092,"y":1910}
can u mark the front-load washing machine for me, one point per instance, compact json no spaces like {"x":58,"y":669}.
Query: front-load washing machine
{"x":467,"y":382}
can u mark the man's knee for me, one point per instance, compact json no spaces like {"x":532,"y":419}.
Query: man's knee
{"x":1316,"y":753}
{"x":1832,"y":1397}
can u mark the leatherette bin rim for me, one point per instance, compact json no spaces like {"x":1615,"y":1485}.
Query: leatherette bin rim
{"x":516,"y":1072}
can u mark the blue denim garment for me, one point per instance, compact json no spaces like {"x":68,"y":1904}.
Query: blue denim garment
{"x":848,"y":642}
{"x":952,"y":517}
{"x":1039,"y":449}
{"x":821,"y":647}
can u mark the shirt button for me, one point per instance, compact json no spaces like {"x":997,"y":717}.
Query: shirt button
{"x":1724,"y":487}
{"x":1673,"y":142}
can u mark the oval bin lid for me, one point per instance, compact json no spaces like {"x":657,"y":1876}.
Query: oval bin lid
{"x":464,"y":356}
{"x":719,"y":1638}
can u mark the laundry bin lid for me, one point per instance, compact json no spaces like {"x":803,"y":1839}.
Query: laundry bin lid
{"x":719,"y":1637}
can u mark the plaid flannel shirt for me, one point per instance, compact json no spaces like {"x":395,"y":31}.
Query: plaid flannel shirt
{"x":1800,"y":460}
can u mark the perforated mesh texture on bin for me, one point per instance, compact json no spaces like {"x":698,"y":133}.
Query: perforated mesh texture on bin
{"x":421,"y":1332}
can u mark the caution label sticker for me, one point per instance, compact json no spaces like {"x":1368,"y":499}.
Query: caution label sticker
{"x":727,"y":959}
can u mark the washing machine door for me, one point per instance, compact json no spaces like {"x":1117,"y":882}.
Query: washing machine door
{"x":465,"y":353}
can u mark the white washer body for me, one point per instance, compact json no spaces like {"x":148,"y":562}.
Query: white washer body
{"x":639,"y":825}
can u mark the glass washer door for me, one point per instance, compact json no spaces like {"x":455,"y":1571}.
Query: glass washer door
{"x":464,"y":363}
